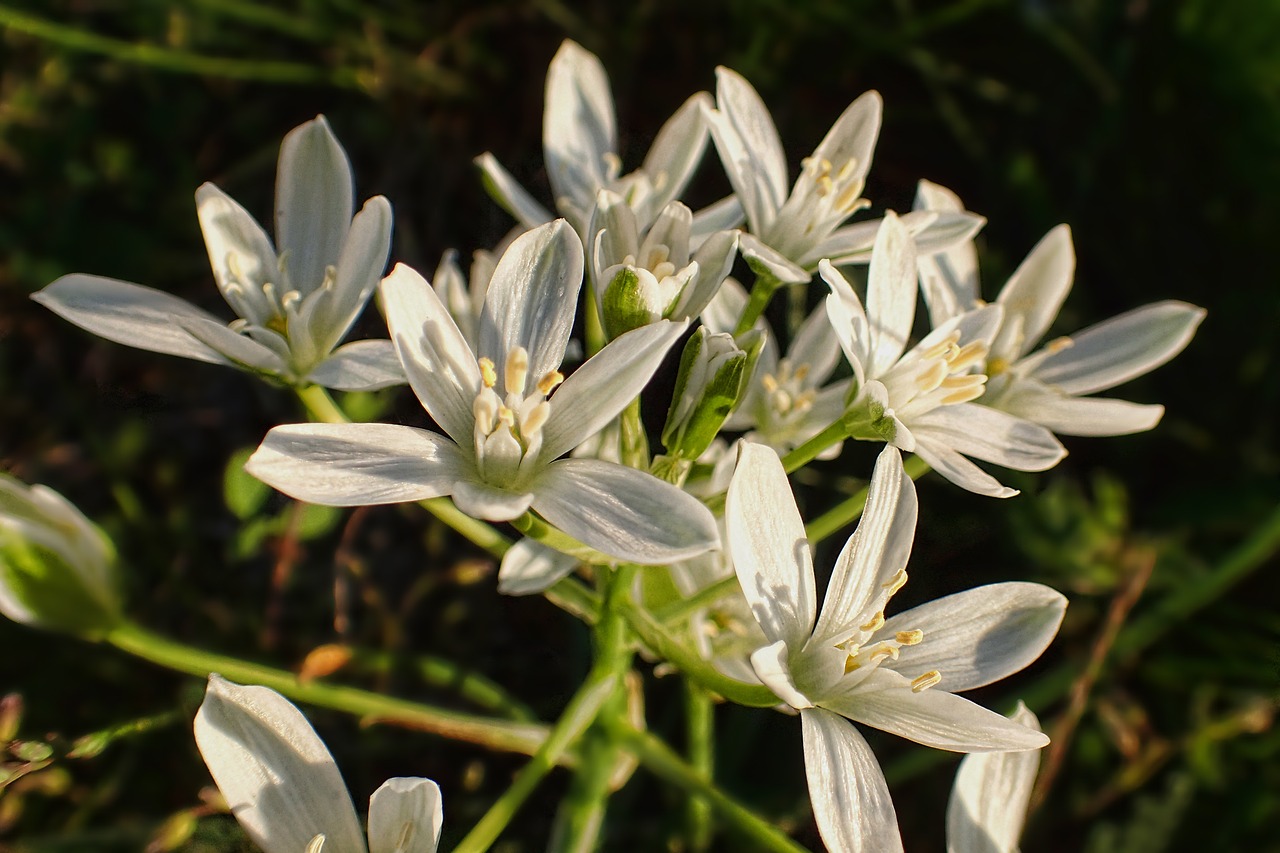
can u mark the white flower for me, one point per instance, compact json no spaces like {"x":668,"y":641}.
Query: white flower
{"x":788,"y":400}
{"x":988,"y":804}
{"x":920,"y":401}
{"x":505,"y":430}
{"x":283,"y":787}
{"x":580,"y":143}
{"x":1050,"y":386}
{"x":295,"y":304}
{"x":898,"y":674}
{"x":791,"y":233}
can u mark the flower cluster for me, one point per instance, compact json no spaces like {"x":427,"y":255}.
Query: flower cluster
{"x":525,"y":431}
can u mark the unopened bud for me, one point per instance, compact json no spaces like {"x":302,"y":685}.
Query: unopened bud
{"x":714,"y":370}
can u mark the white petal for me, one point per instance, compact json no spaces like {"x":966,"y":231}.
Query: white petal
{"x":816,"y":345}
{"x":723,"y":215}
{"x":357,"y":464}
{"x":978,"y":636}
{"x":240,"y":350}
{"x":851,"y":801}
{"x":405,"y":816}
{"x":314,"y":202}
{"x":891,"y":294}
{"x":771,"y":665}
{"x":768,"y":546}
{"x":532,"y":299}
{"x":239,"y":252}
{"x":933,"y":717}
{"x":849,"y":320}
{"x":440,"y":365}
{"x":988,"y":804}
{"x":529,"y":567}
{"x":360,"y":366}
{"x":749,"y":148}
{"x":597,"y":391}
{"x":715,"y":259}
{"x":578,"y":126}
{"x":274,"y":772}
{"x":951,"y":465}
{"x":1035,"y":292}
{"x":481,"y":500}
{"x":623,"y":512}
{"x":1067,"y":415}
{"x":1117,"y":350}
{"x":360,"y":265}
{"x":508,"y":193}
{"x":875,"y":553}
{"x":933,"y":231}
{"x":990,"y":435}
{"x":724,"y":309}
{"x":853,"y":136}
{"x":948,"y":279}
{"x":766,"y":260}
{"x":128,"y":314}
{"x":677,"y":150}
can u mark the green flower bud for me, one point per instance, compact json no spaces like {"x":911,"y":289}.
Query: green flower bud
{"x":714,"y":370}
{"x":57,"y":570}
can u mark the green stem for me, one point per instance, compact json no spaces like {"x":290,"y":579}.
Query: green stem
{"x":580,"y":713}
{"x":654,"y":635}
{"x":440,"y":672}
{"x":761,"y":292}
{"x":807,"y":452}
{"x":169,"y":59}
{"x":635,"y":444}
{"x":660,"y":760}
{"x":573,"y":597}
{"x":506,"y":735}
{"x":678,"y":611}
{"x":700,"y":721}
{"x":846,"y":512}
{"x":539,"y":531}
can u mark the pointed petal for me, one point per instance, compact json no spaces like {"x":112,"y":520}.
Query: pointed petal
{"x":980,"y":635}
{"x":360,"y":366}
{"x":405,"y":816}
{"x":959,"y":470}
{"x":530,"y":567}
{"x":440,"y":365}
{"x":677,"y":150}
{"x":532,"y":299}
{"x":1036,"y":290}
{"x":623,"y":512}
{"x":510,"y":196}
{"x":128,"y":314}
{"x":849,"y":320}
{"x":768,"y":546}
{"x":933,"y":717}
{"x":481,"y":500}
{"x":991,"y":435}
{"x":274,"y":772}
{"x":723,"y":215}
{"x":875,"y":553}
{"x":360,"y":265}
{"x":949,"y":278}
{"x":715,"y":259}
{"x":766,"y":260}
{"x":1067,"y":415}
{"x":612,"y":235}
{"x":602,"y":387}
{"x":931,"y":232}
{"x":314,"y":202}
{"x":749,"y":148}
{"x":239,"y":252}
{"x":358,"y":464}
{"x":237,"y":349}
{"x":853,"y":136}
{"x":891,"y":294}
{"x":851,"y":801}
{"x":1117,"y":350}
{"x":988,"y":804}
{"x":578,"y":127}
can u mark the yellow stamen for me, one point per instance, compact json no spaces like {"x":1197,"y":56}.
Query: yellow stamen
{"x":909,"y":638}
{"x":550,"y":382}
{"x":896,"y":582}
{"x":1060,"y":344}
{"x":924,"y":682}
{"x":996,"y":366}
{"x":517,"y":370}
{"x":847,"y":169}
{"x":488,"y":375}
{"x":876,"y":623}
{"x":850,"y":664}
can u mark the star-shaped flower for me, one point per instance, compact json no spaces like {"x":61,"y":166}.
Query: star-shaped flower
{"x":505,"y":428}
{"x":296,"y":300}
{"x":850,"y":662}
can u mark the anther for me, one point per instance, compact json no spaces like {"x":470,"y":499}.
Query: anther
{"x":517,"y":370}
{"x":847,"y":169}
{"x":876,"y":623}
{"x":909,"y":638}
{"x":851,"y":663}
{"x":884,"y":650}
{"x":488,"y":375}
{"x":924,"y":682}
{"x":896,"y":582}
{"x":848,"y":199}
{"x":549,"y":382}
{"x":1059,"y":344}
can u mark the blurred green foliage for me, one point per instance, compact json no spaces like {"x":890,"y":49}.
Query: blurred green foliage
{"x":1153,"y":128}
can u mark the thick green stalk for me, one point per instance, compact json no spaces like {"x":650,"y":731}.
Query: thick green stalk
{"x":506,"y":735}
{"x":761,"y":292}
{"x":807,"y":452}
{"x":700,"y":721}
{"x":676,"y":612}
{"x":658,"y":758}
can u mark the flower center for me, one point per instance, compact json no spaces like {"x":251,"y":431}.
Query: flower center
{"x":787,"y":393}
{"x":937,"y":376}
{"x":508,"y":430}
{"x":862,"y":656}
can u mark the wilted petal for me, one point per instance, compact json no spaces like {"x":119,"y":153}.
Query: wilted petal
{"x":360,"y":366}
{"x":358,"y":464}
{"x":128,"y":314}
{"x":440,"y":365}
{"x":529,"y":567}
{"x":512,"y":197}
{"x":274,"y":772}
{"x":314,"y":202}
{"x":1117,"y":350}
{"x":933,"y":717}
{"x":988,"y":804}
{"x":980,"y":635}
{"x":768,"y":546}
{"x":990,"y":435}
{"x":405,"y":816}
{"x":623,"y":512}
{"x":851,"y":801}
{"x":532,"y":299}
{"x":578,"y":127}
{"x":597,"y":391}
